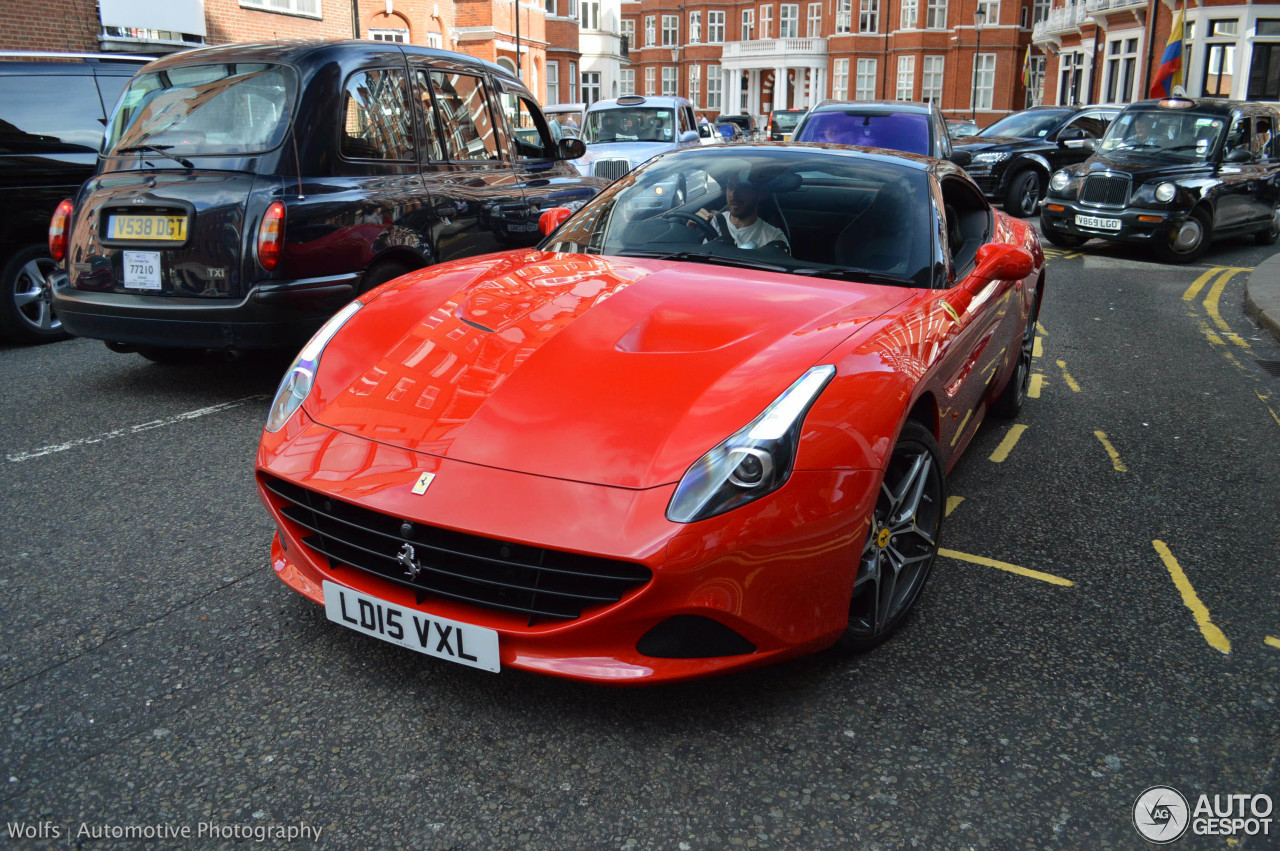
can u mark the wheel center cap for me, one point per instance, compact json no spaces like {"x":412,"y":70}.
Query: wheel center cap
{"x":882,"y":540}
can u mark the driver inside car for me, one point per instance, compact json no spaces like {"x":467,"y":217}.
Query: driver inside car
{"x":740,"y":222}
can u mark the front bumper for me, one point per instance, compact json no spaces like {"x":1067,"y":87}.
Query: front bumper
{"x":281,"y":314}
{"x":778,"y":572}
{"x":1137,"y":224}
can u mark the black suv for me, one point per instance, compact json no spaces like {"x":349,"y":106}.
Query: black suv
{"x":1173,"y":174}
{"x":248,"y":191}
{"x":1013,"y":158}
{"x":52,"y":109}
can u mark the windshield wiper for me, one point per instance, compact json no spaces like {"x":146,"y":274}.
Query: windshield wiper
{"x":716,"y":259}
{"x":863,"y":275}
{"x":162,"y":150}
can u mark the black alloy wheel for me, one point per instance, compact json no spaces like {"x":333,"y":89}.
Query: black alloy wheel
{"x":1188,"y":241}
{"x":1269,"y":234}
{"x":1015,"y":392}
{"x":902,"y":541}
{"x":380,"y":274}
{"x":1023,"y":196}
{"x":26,"y":306}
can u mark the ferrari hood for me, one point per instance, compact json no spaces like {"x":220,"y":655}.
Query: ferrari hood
{"x":614,"y":371}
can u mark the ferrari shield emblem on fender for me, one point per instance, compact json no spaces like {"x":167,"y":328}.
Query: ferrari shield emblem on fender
{"x":424,"y":482}
{"x":951,"y":311}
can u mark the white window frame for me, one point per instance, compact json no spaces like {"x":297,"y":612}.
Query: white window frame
{"x":553,"y":81}
{"x":627,"y":29}
{"x":905,"y":83}
{"x":1114,"y":63}
{"x":626,"y":81}
{"x":931,"y":76}
{"x":715,"y":88}
{"x":396,"y":36}
{"x":715,"y":27}
{"x":992,"y":8}
{"x":650,"y":31}
{"x":865,"y":83}
{"x":844,"y":16}
{"x":695,"y":27}
{"x":695,"y":84}
{"x":840,"y":79}
{"x":813,"y":24}
{"x":789,"y":20}
{"x":983,"y":84}
{"x":573,"y":82}
{"x":591,"y":80}
{"x":670,"y":30}
{"x":306,"y":8}
{"x":766,"y":22}
{"x":650,"y":76}
{"x":589,"y":14}
{"x":670,"y":80}
{"x":909,"y":15}
{"x":936,"y":15}
{"x":748,"y":24}
{"x":868,"y":16}
{"x":550,"y":7}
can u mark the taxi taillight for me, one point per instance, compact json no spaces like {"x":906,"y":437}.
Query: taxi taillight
{"x":58,"y":230}
{"x":271,"y":236}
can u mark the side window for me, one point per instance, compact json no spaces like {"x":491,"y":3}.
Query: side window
{"x":1263,"y":137}
{"x":1092,"y":125}
{"x":968,"y":223}
{"x":529,"y":132}
{"x":464,"y":115}
{"x":49,"y":112}
{"x":377,"y":122}
{"x":431,"y":133}
{"x":1238,"y":137}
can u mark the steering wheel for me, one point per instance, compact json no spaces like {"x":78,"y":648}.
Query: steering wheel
{"x":707,"y":228}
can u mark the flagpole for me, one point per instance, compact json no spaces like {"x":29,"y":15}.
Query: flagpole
{"x":1152,"y":6}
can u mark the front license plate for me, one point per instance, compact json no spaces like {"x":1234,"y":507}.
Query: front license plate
{"x":142,"y":270}
{"x":144,"y":227}
{"x":463,"y":643}
{"x":1097,"y":223}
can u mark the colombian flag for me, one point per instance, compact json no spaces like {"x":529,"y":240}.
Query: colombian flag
{"x":1026,"y":68}
{"x":1169,"y":74}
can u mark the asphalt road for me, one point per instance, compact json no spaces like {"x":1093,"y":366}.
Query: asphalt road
{"x":155,"y":673}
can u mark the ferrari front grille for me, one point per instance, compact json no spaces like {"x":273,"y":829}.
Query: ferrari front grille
{"x":480,"y":571}
{"x":612,"y":169}
{"x":1105,"y":190}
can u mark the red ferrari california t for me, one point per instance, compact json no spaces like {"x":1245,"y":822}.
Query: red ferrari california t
{"x":706,"y":425}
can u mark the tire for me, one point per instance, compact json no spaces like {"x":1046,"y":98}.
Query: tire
{"x":1189,"y":242}
{"x":171,"y":357}
{"x":26,"y":306}
{"x":1269,"y":234}
{"x":1014,"y":394}
{"x":380,"y":274}
{"x":902,"y":541}
{"x":1023,"y":198}
{"x":1060,"y":239}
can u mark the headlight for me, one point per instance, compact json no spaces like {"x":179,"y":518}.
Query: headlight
{"x":1165,"y":192}
{"x":1059,"y":181}
{"x":991,"y":157}
{"x":297,"y":382}
{"x":753,"y":461}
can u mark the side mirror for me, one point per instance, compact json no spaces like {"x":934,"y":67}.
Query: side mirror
{"x":1071,"y":134}
{"x":570,"y":149}
{"x":552,"y":219}
{"x":999,"y":261}
{"x":689,"y":136}
{"x":1238,"y":155}
{"x":704,"y":131}
{"x":961,"y":158}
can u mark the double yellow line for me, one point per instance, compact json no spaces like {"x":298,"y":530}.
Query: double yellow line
{"x":1211,"y":299}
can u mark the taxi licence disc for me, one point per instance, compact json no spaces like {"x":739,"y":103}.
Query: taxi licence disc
{"x":143,"y":226}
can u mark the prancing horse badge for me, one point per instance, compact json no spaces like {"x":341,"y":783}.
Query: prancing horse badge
{"x":424,"y":482}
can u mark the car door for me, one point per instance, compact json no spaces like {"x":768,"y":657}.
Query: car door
{"x":1238,"y":176}
{"x":1071,"y":148}
{"x":545,"y":181}
{"x":1264,"y":190}
{"x":477,"y":206}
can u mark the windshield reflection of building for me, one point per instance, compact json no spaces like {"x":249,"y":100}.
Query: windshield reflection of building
{"x":445,"y":368}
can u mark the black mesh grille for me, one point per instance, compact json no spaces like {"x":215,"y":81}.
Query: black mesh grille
{"x":612,"y":169}
{"x":481,"y":571}
{"x":1105,"y":191}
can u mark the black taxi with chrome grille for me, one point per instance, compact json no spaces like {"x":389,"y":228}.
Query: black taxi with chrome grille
{"x":1173,"y":174}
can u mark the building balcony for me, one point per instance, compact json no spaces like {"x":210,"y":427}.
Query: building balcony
{"x":1064,"y":19}
{"x":1106,"y":6}
{"x":770,"y":52}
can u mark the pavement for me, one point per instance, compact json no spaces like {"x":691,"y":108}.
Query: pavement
{"x":1262,"y":294}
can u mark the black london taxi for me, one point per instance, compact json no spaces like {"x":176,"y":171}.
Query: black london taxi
{"x":1173,"y":174}
{"x":247,"y":192}
{"x":1012,"y":159}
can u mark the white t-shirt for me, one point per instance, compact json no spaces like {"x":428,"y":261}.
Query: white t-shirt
{"x":755,"y":235}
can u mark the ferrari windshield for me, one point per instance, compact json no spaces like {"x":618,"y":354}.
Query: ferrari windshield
{"x":1184,"y":136}
{"x":634,"y":124}
{"x":1031,"y":124}
{"x":804,"y":211}
{"x":230,"y":108}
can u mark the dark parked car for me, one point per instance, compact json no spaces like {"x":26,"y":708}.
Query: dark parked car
{"x":52,"y":108}
{"x":746,"y":122}
{"x":1173,"y":174}
{"x":1013,"y":158}
{"x":782,"y":124}
{"x":249,"y":191}
{"x":916,"y":128}
{"x":962,"y":128}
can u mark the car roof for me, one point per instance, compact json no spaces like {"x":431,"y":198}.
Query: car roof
{"x":913,"y":162}
{"x":49,"y":63}
{"x":302,"y":51}
{"x":1217,"y":106}
{"x":873,"y":106}
{"x":643,"y":100}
